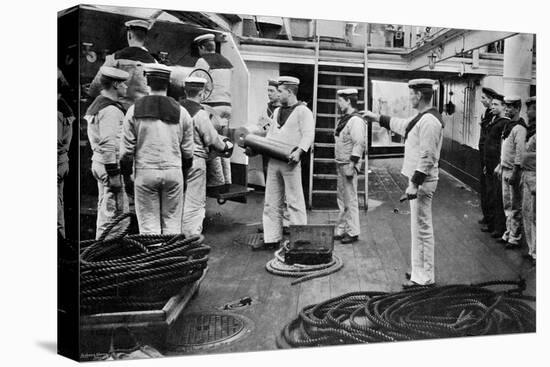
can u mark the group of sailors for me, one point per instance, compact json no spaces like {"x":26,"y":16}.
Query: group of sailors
{"x":151,"y":148}
{"x":165,"y":152}
{"x":507,"y":147}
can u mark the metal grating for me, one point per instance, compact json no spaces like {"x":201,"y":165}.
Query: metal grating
{"x":196,"y":331}
{"x":250,"y":239}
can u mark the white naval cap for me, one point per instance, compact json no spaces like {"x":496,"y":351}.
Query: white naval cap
{"x":204,"y":37}
{"x":288,"y":80}
{"x":347,"y":91}
{"x":113,"y":73}
{"x":512,"y":99}
{"x":139,"y":23}
{"x":421,"y":83}
{"x":157,"y":70}
{"x":195,"y":82}
{"x":272,"y":82}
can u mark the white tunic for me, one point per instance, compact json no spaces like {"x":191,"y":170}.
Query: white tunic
{"x":423,"y":145}
{"x":350,"y":141}
{"x":298,"y":130}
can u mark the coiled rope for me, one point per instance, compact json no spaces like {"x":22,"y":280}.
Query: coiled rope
{"x":304,"y":273}
{"x":137,"y":272}
{"x":418,"y":313}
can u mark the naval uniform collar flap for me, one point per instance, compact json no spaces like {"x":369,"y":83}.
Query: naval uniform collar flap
{"x":102,"y":102}
{"x":510,"y":126}
{"x":432,"y":111}
{"x":344,"y":121}
{"x":284,"y":112}
{"x":217,"y":61}
{"x":191,"y":106}
{"x":155,"y":107}
{"x":135,"y":54}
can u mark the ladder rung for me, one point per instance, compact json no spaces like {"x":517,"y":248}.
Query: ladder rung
{"x":327,"y":115}
{"x":330,"y":192}
{"x":328,"y":176}
{"x":324,"y":160}
{"x":324,"y":130}
{"x":328,"y":86}
{"x":324,"y":145}
{"x":340,"y":73}
{"x":326,"y":100}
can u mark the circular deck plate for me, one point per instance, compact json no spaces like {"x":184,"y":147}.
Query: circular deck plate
{"x":207,"y":330}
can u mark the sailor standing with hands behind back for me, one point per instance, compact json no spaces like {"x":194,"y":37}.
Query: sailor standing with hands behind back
{"x":423,"y":135}
{"x":349,"y":138}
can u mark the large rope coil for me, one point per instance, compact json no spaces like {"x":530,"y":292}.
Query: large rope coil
{"x":304,"y":273}
{"x":137,"y":272}
{"x":418,"y":313}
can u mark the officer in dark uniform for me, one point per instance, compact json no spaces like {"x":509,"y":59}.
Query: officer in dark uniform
{"x":496,"y":220}
{"x":487,"y":95}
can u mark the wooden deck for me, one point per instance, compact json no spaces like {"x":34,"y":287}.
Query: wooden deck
{"x":377,"y":262}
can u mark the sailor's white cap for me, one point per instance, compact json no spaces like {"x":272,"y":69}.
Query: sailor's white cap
{"x":204,"y":37}
{"x":139,"y":23}
{"x":113,"y":73}
{"x":347,"y":91}
{"x":288,"y":80}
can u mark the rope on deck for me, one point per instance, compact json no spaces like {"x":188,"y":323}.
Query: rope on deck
{"x":304,"y":273}
{"x":417,"y":313}
{"x":121,"y":272}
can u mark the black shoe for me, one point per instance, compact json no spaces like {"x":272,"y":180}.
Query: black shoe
{"x":512,"y":246}
{"x":265,"y":246}
{"x":408,"y":275}
{"x":482,"y":221}
{"x":410,"y":284}
{"x":338,"y":237}
{"x":349,"y":239}
{"x":260,"y":229}
{"x":496,"y":235}
{"x":502,"y":240}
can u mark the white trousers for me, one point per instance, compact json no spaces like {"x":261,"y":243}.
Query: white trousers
{"x":159,"y":200}
{"x":511,"y":201}
{"x":530,"y":212}
{"x":422,"y":235}
{"x":109,"y":204}
{"x":348,"y":204}
{"x":284,"y":181}
{"x":194,"y":206}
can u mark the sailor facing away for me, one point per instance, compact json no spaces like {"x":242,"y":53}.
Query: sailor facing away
{"x":130,"y":59}
{"x":423,"y":135}
{"x":104,"y":117}
{"x":206,"y":139}
{"x":349,"y":137}
{"x":157,"y":141}
{"x":293,"y":125}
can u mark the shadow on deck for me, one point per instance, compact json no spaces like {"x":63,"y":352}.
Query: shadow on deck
{"x":377,"y":262}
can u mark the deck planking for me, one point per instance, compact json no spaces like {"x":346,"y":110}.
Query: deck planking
{"x":376,"y":262}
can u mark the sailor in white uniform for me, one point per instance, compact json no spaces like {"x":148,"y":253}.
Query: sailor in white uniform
{"x":294,"y":125}
{"x":206,"y":139}
{"x":349,"y":137}
{"x":423,"y":135}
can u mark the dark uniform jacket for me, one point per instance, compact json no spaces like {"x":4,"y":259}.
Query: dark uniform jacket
{"x":486,"y":119}
{"x":493,"y":141}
